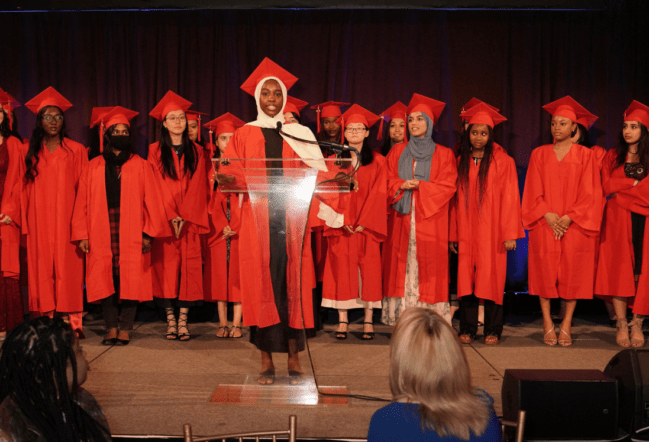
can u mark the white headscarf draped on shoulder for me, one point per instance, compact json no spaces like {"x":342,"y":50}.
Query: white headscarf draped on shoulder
{"x":310,"y":153}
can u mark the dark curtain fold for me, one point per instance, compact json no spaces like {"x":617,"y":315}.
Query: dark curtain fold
{"x":515,"y":60}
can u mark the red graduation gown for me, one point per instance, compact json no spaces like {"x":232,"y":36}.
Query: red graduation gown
{"x":572,"y":187}
{"x":615,"y":272}
{"x":346,"y":253}
{"x":141,"y":210}
{"x":10,"y":234}
{"x":257,"y":300}
{"x":432,"y":220}
{"x":55,"y":262}
{"x":221,"y":279}
{"x":185,"y":197}
{"x":481,"y":230}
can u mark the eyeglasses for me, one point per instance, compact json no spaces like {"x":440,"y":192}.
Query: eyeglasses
{"x":355,"y":129}
{"x":174,"y":119}
{"x":48,"y":118}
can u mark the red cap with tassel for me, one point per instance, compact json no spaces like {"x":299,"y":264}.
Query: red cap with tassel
{"x":193,"y":115}
{"x":328,"y":109}
{"x":109,"y":116}
{"x":396,"y":111}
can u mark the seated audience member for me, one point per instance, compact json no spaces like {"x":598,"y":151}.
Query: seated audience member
{"x":41,"y":369}
{"x":430,"y":383}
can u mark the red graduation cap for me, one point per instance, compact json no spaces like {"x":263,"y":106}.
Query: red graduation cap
{"x":567,"y":107}
{"x":587,"y":121}
{"x":294,"y":105}
{"x":8,"y":103}
{"x":356,"y":114}
{"x":108,"y":116}
{"x":637,"y":112}
{"x":482,"y":113}
{"x":397,"y":110}
{"x":420,"y":103}
{"x":474,"y":102}
{"x":328,"y":109}
{"x":268,"y":68}
{"x":193,"y":115}
{"x":169,"y":103}
{"x":49,"y":97}
{"x":225,"y":124}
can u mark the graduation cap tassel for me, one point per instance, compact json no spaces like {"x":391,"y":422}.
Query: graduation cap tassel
{"x":101,"y":137}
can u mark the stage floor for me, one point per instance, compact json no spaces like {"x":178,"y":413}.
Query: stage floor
{"x":154,"y":386}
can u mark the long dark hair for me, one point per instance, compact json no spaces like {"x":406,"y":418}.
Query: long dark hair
{"x":387,"y":144}
{"x":167,"y":158}
{"x":465,"y":164}
{"x":366,"y":153}
{"x":33,"y":373}
{"x":5,"y":129}
{"x":643,"y":149}
{"x":584,"y":139}
{"x":36,"y":143}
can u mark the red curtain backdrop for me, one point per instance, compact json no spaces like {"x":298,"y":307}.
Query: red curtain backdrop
{"x":514,"y":60}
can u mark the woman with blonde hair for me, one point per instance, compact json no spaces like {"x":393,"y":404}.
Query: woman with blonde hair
{"x":431,"y":386}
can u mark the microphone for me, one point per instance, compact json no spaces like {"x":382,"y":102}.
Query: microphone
{"x":331,"y":145}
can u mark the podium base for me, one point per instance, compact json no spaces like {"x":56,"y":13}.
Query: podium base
{"x":281,"y":392}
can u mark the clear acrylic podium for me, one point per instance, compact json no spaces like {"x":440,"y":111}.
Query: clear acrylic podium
{"x":279,"y":197}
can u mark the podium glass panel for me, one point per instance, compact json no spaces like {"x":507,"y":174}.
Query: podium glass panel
{"x":276,"y":263}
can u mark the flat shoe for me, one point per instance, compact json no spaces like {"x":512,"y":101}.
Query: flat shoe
{"x":124,"y":341}
{"x":491,"y":340}
{"x":109,"y":341}
{"x":467,"y":338}
{"x":267,"y":375}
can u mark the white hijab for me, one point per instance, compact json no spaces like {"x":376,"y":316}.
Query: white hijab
{"x":310,"y":153}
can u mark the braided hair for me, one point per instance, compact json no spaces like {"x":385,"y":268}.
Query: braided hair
{"x":33,"y":373}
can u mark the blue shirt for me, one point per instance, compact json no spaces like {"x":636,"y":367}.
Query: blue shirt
{"x":401,"y":421}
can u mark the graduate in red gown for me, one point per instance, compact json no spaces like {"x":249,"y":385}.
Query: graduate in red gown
{"x":276,"y":311}
{"x":50,"y":177}
{"x":422,"y":179}
{"x":352,"y":277}
{"x":180,"y":171}
{"x":117,"y":214}
{"x":623,"y":270}
{"x":206,"y":148}
{"x":11,"y":154}
{"x":221,"y":280}
{"x":562,"y":208}
{"x":465,"y":122}
{"x":397,"y":131}
{"x":485,"y":223}
{"x":292,"y":110}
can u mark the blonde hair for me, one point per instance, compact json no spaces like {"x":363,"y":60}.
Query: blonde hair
{"x":428,"y":366}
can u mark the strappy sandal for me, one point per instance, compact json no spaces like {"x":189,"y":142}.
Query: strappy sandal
{"x":182,"y":324}
{"x":467,"y":337}
{"x":564,"y":342}
{"x":172,"y":325}
{"x":340,"y":335}
{"x":623,"y":341}
{"x":225,"y":334}
{"x":233,"y":329}
{"x":368,"y":336}
{"x":636,"y":330}
{"x":547,"y":339}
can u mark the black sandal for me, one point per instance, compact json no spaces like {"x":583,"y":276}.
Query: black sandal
{"x":341,"y":336}
{"x":226,"y":332}
{"x":234,"y":327}
{"x":370,"y":335}
{"x":110,"y":341}
{"x":172,"y":325}
{"x":267,"y":374}
{"x":184,"y":336}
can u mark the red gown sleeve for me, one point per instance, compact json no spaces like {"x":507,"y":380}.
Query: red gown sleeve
{"x":194,"y":203}
{"x":436,"y":193}
{"x":169,"y":204}
{"x":586,"y":211}
{"x":79,"y":227}
{"x":511,"y":226}
{"x":394,"y":182}
{"x":13,"y":181}
{"x":534,"y":206}
{"x":635,"y":199}
{"x":372,"y":214}
{"x":155,"y":219}
{"x":611,"y":182}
